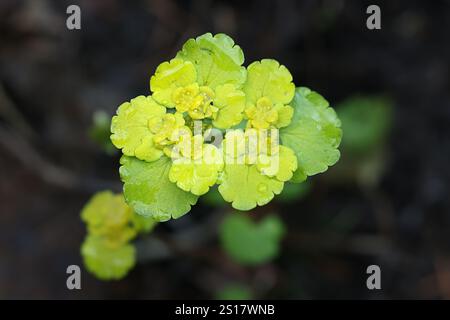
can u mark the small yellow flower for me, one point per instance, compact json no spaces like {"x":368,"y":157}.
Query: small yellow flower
{"x":196,"y":101}
{"x":165,"y":129}
{"x":269,"y":90}
{"x":263,"y":115}
{"x":187,"y":98}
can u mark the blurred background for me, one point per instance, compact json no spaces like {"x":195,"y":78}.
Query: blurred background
{"x":386,"y":202}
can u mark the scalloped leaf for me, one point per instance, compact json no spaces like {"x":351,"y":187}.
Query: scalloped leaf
{"x":105,"y":262}
{"x":197,"y":176}
{"x":280,"y":165}
{"x":169,"y":76}
{"x":231,"y":104}
{"x":245,"y":187}
{"x":148,"y":190}
{"x":267,"y":78}
{"x":366,"y":121}
{"x":130,"y":131}
{"x":314,"y":134}
{"x":251,"y":243}
{"x":217,"y":59}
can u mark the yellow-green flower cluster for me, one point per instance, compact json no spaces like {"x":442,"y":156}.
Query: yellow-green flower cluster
{"x":167,"y":163}
{"x":111,"y":225}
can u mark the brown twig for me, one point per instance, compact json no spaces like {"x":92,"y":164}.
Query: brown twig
{"x":52,"y":174}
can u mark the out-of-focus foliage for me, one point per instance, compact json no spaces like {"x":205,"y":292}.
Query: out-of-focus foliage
{"x":234,"y":292}
{"x":366,"y":121}
{"x":111,"y":225}
{"x":294,"y":191}
{"x":248,"y":242}
{"x":107,"y":262}
{"x":99,"y":131}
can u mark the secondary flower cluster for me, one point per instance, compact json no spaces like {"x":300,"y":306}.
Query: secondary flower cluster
{"x":164,"y":164}
{"x":111,"y":224}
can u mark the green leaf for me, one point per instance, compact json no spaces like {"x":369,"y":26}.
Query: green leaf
{"x":245,"y":187}
{"x":217,"y":60}
{"x":197,"y":175}
{"x":251,"y":243}
{"x":314,"y":134}
{"x":280,"y":165}
{"x":106,"y":262}
{"x":366,"y":122}
{"x":148,"y":190}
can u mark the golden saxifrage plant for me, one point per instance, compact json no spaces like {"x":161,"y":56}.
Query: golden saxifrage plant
{"x":206,"y":81}
{"x":209,"y":120}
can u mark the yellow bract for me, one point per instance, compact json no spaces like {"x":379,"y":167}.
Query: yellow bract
{"x":165,"y":128}
{"x":199,"y":171}
{"x":130,"y":131}
{"x":269,"y":89}
{"x":231,"y":103}
{"x":107,"y":215}
{"x":169,"y":76}
{"x":280,"y":165}
{"x":247,"y":146}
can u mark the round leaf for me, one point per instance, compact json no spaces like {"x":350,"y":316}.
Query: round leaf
{"x":130,"y":131}
{"x":245,"y":187}
{"x":148,"y":190}
{"x":216,"y":58}
{"x":314,"y":134}
{"x":270,"y":79}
